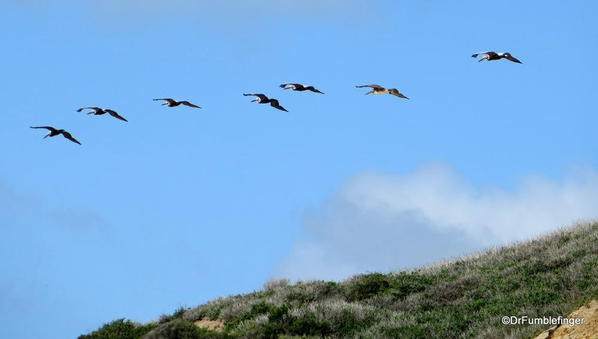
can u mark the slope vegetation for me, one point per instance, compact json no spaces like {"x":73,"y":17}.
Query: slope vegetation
{"x":464,"y":298}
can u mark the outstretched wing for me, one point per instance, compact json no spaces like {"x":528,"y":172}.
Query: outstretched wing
{"x":70,"y":137}
{"x":261,"y":96}
{"x":512,"y":58}
{"x":288,"y":86}
{"x":49,"y":128}
{"x":172,"y":101}
{"x":396,"y":93}
{"x":187,"y":103}
{"x":475,"y":55}
{"x":313,"y":89}
{"x":95,"y":109}
{"x":116,"y":115}
{"x":371,"y":86}
{"x":274,"y":103}
{"x":489,"y":54}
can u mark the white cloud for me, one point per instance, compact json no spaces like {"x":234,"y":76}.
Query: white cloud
{"x":381,"y":222}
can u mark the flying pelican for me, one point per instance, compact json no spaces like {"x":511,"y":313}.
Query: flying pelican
{"x":173,"y":103}
{"x":54,"y":132}
{"x":490,"y":56}
{"x":262,"y":99}
{"x":378,"y":90}
{"x":300,"y":88}
{"x":101,"y":111}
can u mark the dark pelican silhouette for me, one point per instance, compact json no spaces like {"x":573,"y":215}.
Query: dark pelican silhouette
{"x":378,"y":90}
{"x":54,"y":132}
{"x":300,"y":88}
{"x":173,"y":103}
{"x":101,"y":111}
{"x":262,"y":99}
{"x":491,"y":56}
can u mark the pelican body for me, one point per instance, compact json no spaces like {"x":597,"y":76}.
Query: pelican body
{"x":263,"y":99}
{"x":300,"y":88}
{"x":493,"y":56}
{"x":173,"y":103}
{"x":54,"y":132}
{"x":102,"y":111}
{"x":379,"y":90}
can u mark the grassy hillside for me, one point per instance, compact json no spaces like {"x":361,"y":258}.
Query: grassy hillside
{"x":465,"y":298}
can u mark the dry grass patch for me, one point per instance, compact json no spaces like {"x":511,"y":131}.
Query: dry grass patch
{"x":214,"y":325}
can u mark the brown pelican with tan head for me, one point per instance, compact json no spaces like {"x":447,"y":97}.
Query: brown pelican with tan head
{"x":102,"y":111}
{"x":379,"y":90}
{"x":491,"y":56}
{"x":263,"y":99}
{"x":173,"y":103}
{"x":54,"y":132}
{"x":300,"y":88}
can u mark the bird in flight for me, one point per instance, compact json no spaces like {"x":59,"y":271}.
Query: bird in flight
{"x":491,"y":56}
{"x":54,"y":132}
{"x":101,"y":111}
{"x":378,"y":90}
{"x":262,"y":99}
{"x":300,"y":88}
{"x":173,"y":103}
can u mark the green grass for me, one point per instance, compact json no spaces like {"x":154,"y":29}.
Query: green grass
{"x":465,"y":298}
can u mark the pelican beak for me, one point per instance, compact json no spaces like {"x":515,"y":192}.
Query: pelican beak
{"x":254,"y":100}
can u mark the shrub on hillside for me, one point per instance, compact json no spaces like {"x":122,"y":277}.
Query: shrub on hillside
{"x":180,"y":329}
{"x":366,"y":286}
{"x":176,"y":315}
{"x":120,"y":329}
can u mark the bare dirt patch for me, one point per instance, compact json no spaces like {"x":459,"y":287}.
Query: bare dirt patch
{"x":587,"y":330}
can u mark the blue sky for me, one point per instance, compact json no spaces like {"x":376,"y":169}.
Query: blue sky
{"x":180,"y":206}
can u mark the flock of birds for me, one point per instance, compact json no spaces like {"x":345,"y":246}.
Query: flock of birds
{"x":261,"y":98}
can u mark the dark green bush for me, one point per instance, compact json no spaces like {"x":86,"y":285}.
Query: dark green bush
{"x":367,"y":285}
{"x":404,"y":284}
{"x":120,"y":329}
{"x":176,"y":315}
